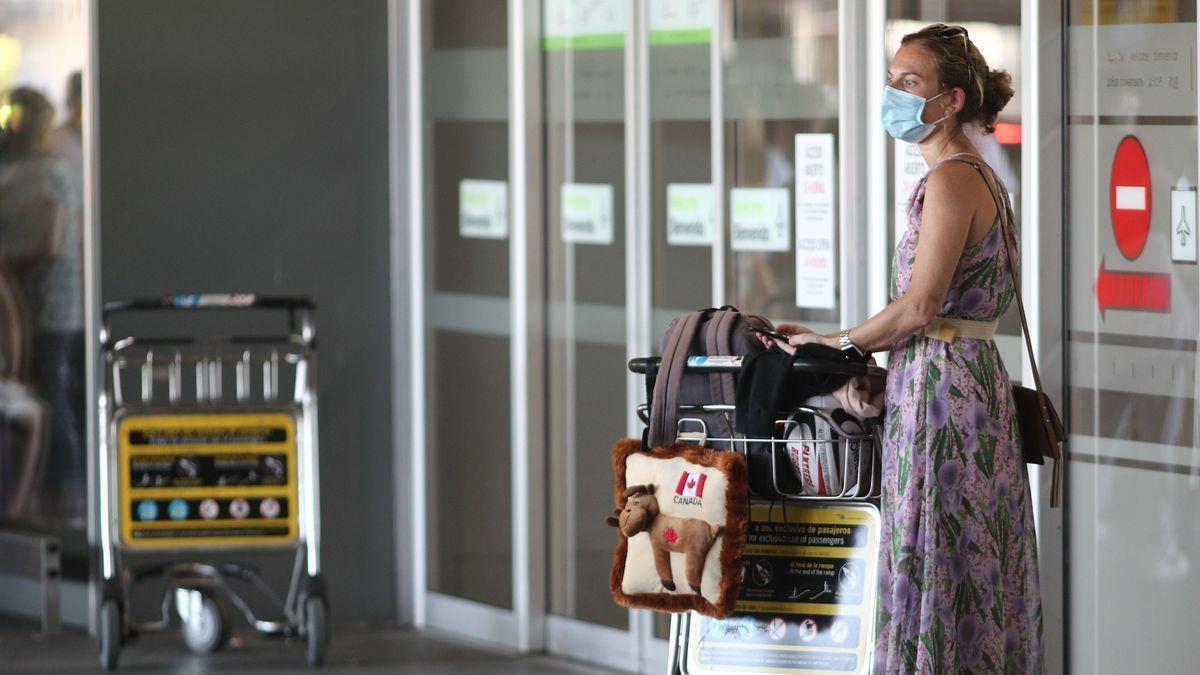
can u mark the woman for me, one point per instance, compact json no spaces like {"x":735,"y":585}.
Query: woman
{"x":958,"y":581}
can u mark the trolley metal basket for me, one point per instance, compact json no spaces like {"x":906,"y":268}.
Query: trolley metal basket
{"x":744,"y":643}
{"x":191,"y":468}
{"x":859,"y":478}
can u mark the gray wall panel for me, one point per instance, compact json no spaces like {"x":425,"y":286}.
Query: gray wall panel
{"x":244,"y":147}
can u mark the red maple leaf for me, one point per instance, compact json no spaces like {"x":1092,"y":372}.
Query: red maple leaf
{"x":670,"y":535}
{"x":691,"y":483}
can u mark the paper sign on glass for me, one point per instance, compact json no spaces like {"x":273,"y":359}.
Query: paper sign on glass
{"x":815,"y":262}
{"x":590,"y":24}
{"x":759,"y":219}
{"x":676,"y":22}
{"x":909,"y":168}
{"x":482,"y":209}
{"x":690,"y":214}
{"x":587,"y":213}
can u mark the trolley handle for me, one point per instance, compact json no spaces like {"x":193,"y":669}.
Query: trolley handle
{"x":201,"y":301}
{"x":299,"y":310}
{"x":721,"y":364}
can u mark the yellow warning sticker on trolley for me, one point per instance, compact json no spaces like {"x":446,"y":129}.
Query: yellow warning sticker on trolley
{"x":210,"y":480}
{"x":807,"y":600}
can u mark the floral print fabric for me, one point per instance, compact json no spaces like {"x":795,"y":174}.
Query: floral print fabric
{"x":958,"y":578}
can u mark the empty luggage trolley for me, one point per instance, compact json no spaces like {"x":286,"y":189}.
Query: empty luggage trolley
{"x":208,"y":449}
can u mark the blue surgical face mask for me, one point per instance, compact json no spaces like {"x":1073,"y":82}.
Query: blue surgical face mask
{"x":901,"y":115}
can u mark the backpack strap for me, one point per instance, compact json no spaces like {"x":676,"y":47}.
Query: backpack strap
{"x":723,"y":386}
{"x":664,"y":406}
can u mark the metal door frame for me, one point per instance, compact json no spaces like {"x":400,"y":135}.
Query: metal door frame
{"x":1043,"y":150}
{"x":521,"y":628}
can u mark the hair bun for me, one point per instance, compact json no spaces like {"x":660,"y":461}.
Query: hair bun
{"x":997,"y":92}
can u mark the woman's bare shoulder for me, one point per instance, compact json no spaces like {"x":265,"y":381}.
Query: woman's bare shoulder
{"x":957,"y":183}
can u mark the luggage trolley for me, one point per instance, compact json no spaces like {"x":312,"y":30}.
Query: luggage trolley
{"x":190,"y":467}
{"x":807,"y":601}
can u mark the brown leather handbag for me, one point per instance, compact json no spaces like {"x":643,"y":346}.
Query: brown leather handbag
{"x":1042,"y":430}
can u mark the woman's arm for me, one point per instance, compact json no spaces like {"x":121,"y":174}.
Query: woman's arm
{"x":945,"y":223}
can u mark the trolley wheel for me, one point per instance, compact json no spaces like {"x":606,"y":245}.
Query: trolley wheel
{"x":109,"y":634}
{"x":204,"y":627}
{"x":316,"y":628}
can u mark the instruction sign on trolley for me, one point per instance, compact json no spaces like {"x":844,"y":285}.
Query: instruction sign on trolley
{"x":807,"y":603}
{"x":220,"y":479}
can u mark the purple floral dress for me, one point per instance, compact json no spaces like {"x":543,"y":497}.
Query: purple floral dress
{"x":958,"y":576}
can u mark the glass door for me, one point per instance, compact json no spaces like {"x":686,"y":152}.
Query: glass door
{"x":464,"y":136}
{"x":686,"y":154}
{"x":780,"y":130}
{"x":586,"y":47}
{"x":662,"y":198}
{"x":44,"y":400}
{"x":681,"y":198}
{"x":1131,"y":295}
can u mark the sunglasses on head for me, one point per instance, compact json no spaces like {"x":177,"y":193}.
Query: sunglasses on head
{"x":951,"y":32}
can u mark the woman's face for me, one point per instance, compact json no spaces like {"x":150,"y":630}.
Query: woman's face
{"x":913,"y":70}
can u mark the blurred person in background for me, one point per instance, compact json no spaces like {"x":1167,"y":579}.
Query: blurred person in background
{"x":66,"y":141}
{"x":41,"y":241}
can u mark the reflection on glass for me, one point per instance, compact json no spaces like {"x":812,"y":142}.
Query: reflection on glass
{"x":681,"y":192}
{"x":1132,"y":292}
{"x":42,"y":394}
{"x":681,"y":198}
{"x":781,"y":79}
{"x":466,"y":236}
{"x":585,"y":285}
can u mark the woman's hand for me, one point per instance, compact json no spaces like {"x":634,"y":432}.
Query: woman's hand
{"x":810,"y":338}
{"x":789,"y":329}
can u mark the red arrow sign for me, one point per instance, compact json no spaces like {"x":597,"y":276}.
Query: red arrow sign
{"x":1139,"y":291}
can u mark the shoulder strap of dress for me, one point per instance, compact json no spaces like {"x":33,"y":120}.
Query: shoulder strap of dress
{"x":961,"y":156}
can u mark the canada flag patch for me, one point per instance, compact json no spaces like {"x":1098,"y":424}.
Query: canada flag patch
{"x":691,"y":484}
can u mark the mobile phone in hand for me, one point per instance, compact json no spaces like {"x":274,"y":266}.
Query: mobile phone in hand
{"x":770,"y":333}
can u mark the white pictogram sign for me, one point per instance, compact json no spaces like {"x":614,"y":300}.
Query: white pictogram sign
{"x":1183,"y":222}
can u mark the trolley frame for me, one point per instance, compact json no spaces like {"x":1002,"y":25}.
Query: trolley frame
{"x":190,"y":581}
{"x":682,"y":623}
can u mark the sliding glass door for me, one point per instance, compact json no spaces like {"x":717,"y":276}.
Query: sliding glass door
{"x":464,"y":132}
{"x":687,"y":156}
{"x":1132,"y":293}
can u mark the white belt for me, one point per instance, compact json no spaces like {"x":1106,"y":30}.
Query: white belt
{"x":946,"y":329}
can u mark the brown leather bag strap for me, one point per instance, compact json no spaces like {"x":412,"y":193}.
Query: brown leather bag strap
{"x":1010,"y":237}
{"x":664,"y":408}
{"x":1009,"y":234}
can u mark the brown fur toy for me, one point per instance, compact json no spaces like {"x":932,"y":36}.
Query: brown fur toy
{"x":639,"y":511}
{"x":690,"y":536}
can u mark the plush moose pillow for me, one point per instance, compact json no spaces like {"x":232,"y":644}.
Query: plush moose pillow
{"x":681,"y":517}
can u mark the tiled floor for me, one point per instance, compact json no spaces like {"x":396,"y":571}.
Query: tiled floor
{"x":353,"y":650}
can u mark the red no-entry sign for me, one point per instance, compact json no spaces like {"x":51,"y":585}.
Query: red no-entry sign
{"x":1129,"y":197}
